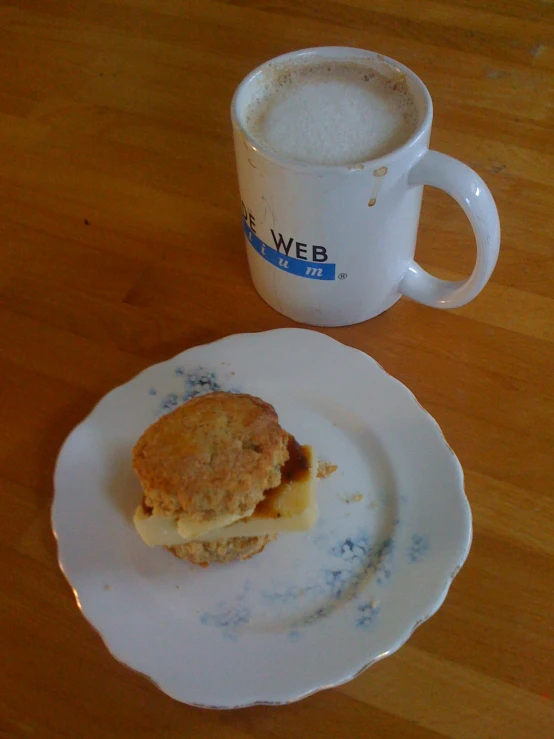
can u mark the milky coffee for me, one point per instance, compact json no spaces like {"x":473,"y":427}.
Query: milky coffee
{"x":331,"y":112}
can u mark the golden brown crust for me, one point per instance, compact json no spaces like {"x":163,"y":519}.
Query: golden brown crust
{"x":222,"y":550}
{"x":215,"y":454}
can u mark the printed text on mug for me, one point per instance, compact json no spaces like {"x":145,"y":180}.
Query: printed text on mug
{"x":288,"y":254}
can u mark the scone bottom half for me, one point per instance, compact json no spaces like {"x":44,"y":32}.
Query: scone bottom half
{"x":221,"y":479}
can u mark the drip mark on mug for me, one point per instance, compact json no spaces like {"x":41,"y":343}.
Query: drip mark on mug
{"x":378,"y":174}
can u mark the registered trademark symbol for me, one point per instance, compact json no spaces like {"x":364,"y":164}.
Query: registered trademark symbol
{"x":343,"y":276}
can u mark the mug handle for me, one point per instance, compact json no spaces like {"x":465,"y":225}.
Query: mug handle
{"x":471,"y":193}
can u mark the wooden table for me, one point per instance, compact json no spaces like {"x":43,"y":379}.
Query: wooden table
{"x":121,"y":245}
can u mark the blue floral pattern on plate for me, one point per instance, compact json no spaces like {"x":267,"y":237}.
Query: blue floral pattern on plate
{"x":231,"y":616}
{"x":192,"y":382}
{"x":356,"y":565}
{"x":368,"y":612}
{"x":419,"y":547}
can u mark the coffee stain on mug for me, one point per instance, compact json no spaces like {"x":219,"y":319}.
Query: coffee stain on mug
{"x":378,"y":181}
{"x":270,"y":206}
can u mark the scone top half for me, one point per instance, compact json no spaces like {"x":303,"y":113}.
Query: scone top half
{"x":213,"y":455}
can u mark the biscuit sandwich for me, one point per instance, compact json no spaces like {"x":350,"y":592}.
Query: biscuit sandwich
{"x":221,"y":479}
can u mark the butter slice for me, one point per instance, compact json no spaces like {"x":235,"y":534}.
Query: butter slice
{"x":190,"y":531}
{"x":293,"y":508}
{"x":156,"y":530}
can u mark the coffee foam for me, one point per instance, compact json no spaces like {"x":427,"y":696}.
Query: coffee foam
{"x":331,"y":112}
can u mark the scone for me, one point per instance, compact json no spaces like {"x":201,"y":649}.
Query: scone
{"x":221,"y":479}
{"x":204,"y":553}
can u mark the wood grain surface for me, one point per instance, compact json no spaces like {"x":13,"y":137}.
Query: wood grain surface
{"x":121,"y":245}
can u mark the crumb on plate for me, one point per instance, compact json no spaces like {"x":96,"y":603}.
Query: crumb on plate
{"x":354,"y":498}
{"x":325,"y":469}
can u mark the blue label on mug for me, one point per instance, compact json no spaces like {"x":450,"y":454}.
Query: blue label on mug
{"x":299,"y":267}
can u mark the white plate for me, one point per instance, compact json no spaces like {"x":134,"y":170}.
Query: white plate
{"x":313,"y":609}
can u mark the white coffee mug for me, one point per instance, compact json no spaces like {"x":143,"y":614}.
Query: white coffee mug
{"x":334,"y":245}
